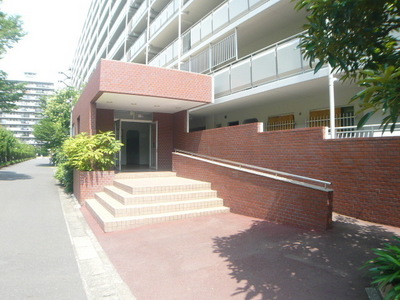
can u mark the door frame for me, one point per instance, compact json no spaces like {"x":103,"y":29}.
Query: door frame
{"x":153,"y":141}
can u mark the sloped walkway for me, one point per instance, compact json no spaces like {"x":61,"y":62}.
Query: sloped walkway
{"x":229,"y":256}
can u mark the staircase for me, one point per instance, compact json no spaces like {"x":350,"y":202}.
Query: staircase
{"x":140,"y":198}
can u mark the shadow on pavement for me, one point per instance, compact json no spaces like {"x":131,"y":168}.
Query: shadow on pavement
{"x":9,"y":176}
{"x":45,"y":165}
{"x":274,"y":262}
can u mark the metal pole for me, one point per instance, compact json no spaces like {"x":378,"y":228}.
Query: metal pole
{"x":180,"y":35}
{"x":148,"y":32}
{"x":332,"y":102}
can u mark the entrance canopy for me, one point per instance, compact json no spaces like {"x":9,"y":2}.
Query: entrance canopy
{"x":119,"y":85}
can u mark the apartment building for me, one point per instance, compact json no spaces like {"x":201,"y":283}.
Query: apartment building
{"x":174,"y":78}
{"x":248,"y":46}
{"x":28,"y":112}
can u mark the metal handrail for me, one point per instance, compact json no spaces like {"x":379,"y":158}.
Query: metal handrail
{"x":265,"y":172}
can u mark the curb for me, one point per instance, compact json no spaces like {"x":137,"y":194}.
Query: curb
{"x":99,"y":277}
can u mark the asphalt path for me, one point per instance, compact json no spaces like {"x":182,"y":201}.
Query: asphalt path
{"x":36,"y":255}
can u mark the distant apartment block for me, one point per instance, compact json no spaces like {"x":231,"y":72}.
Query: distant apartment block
{"x":28,"y":112}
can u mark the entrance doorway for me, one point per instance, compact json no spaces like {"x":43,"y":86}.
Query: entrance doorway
{"x":139,"y":150}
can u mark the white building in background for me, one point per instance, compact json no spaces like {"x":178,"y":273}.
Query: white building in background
{"x":249,"y":46}
{"x":28,"y":112}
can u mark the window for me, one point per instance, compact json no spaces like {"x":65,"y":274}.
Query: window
{"x":344,"y":116}
{"x":282,"y":122}
{"x":233,"y":123}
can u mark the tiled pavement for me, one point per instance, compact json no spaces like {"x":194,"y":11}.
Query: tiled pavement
{"x":229,"y":256}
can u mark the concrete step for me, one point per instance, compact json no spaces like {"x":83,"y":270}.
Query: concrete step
{"x":117,"y":209}
{"x":110,"y":223}
{"x":150,"y":174}
{"x":130,"y":199}
{"x":160,"y":185}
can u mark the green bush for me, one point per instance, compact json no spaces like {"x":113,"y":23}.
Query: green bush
{"x":385,"y":269}
{"x":65,"y":173}
{"x":85,"y":153}
{"x":92,"y":153}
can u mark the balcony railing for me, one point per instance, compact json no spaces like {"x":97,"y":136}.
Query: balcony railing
{"x":137,"y":16}
{"x":373,"y":130}
{"x":217,"y":54}
{"x":139,"y":44}
{"x":280,"y":60}
{"x":341,"y":120}
{"x":169,"y":54}
{"x":215,"y":20}
{"x":164,"y":16}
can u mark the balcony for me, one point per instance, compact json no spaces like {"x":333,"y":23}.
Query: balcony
{"x":137,"y":46}
{"x":274,"y":62}
{"x":137,"y":17}
{"x":216,"y":20}
{"x":164,"y":16}
{"x":213,"y":22}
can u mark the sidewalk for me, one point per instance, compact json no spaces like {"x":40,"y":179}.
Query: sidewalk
{"x":36,"y":255}
{"x":42,"y":254}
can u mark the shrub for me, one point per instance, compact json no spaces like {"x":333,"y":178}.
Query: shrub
{"x":92,"y":153}
{"x":65,"y":173}
{"x":85,"y":153}
{"x":385,"y":269}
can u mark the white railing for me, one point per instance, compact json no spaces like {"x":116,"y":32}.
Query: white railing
{"x":215,"y":55}
{"x":215,"y":20}
{"x":135,"y":48}
{"x":117,"y":23}
{"x":164,"y":16}
{"x":282,"y":125}
{"x":169,"y":54}
{"x":342,"y":120}
{"x":373,"y":130}
{"x":117,"y":45}
{"x":137,"y":16}
{"x":279,"y":60}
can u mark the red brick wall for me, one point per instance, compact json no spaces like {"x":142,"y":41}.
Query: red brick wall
{"x":104,"y":120}
{"x":86,"y":184}
{"x":139,"y":79}
{"x":165,"y":140}
{"x":364,"y":172}
{"x":260,"y":197}
{"x":85,"y":109}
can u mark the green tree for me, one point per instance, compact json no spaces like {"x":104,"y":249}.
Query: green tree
{"x":359,"y":39}
{"x":53,"y":129}
{"x":13,"y":150}
{"x":10,"y":33}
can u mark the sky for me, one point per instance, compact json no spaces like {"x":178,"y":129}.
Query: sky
{"x":53,"y":29}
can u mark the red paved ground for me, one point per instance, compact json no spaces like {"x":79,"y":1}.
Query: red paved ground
{"x":229,"y":256}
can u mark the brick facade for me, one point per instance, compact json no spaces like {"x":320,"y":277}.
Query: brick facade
{"x":261,"y":197}
{"x":364,"y":172}
{"x":104,"y":120}
{"x":165,"y":140}
{"x":86,"y":184}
